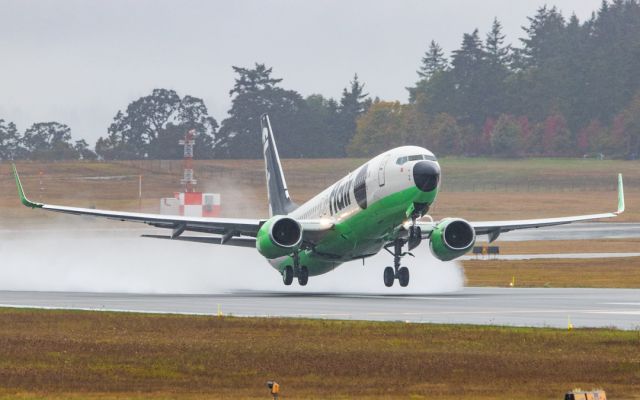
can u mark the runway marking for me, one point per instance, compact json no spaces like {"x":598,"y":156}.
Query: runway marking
{"x":494,"y":312}
{"x":630,"y":312}
{"x":73,"y":308}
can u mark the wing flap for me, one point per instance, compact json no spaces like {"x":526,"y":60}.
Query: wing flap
{"x":237,"y":242}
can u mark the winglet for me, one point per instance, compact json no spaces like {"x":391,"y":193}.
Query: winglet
{"x":620,"y":195}
{"x":23,"y":198}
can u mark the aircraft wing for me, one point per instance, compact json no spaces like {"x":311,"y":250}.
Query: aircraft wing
{"x":494,"y":228}
{"x":231,"y":231}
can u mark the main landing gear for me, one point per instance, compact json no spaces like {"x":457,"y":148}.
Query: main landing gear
{"x":401,"y":273}
{"x":296,"y":271}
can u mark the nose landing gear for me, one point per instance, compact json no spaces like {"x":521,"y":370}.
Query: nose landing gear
{"x":297,"y":271}
{"x":401,"y":273}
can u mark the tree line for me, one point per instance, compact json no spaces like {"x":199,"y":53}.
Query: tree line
{"x":569,"y":89}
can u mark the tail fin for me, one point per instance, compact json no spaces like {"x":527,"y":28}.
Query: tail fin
{"x":279,"y":201}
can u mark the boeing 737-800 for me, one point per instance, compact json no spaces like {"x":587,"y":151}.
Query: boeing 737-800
{"x":378,"y":206}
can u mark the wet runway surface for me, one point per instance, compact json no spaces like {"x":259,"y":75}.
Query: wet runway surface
{"x":585,"y":230}
{"x":539,"y":307}
{"x":583,"y":256}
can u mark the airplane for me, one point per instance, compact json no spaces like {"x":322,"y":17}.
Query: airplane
{"x":382,"y":205}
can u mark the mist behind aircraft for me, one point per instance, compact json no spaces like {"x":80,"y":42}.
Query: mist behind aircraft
{"x":96,"y":260}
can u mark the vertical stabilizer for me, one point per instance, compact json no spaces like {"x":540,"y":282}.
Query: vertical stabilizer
{"x":279,"y":201}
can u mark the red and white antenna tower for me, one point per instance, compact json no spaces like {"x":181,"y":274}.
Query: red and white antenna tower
{"x":187,"y":178}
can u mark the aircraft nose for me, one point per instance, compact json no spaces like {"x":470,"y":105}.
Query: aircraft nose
{"x":426,"y":175}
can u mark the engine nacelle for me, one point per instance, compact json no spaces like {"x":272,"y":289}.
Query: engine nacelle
{"x":452,"y":238}
{"x":279,"y":236}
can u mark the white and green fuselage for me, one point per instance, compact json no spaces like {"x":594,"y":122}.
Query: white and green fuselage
{"x":367,"y":209}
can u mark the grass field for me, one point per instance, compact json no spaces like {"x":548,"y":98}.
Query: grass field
{"x":103,"y":355}
{"x":603,"y":273}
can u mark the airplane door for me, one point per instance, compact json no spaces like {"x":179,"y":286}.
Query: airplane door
{"x":381,"y":168}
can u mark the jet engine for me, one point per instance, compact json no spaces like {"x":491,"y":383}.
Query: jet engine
{"x":452,"y":238}
{"x":279,"y":236}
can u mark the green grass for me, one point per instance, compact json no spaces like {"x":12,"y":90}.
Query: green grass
{"x":72,"y":354}
{"x":595,"y":273}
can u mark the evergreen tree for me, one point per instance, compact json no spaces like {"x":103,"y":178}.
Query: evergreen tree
{"x":497,"y":53}
{"x":353,"y":103}
{"x":255,"y":93}
{"x":9,"y":141}
{"x":496,"y":71}
{"x":433,"y":61}
{"x":631,"y":120}
{"x":321,"y":119}
{"x":470,"y":87}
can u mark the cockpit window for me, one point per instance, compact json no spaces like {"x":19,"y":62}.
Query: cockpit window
{"x":416,"y":157}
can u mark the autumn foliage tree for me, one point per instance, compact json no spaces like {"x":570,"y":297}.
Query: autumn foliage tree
{"x":506,"y":137}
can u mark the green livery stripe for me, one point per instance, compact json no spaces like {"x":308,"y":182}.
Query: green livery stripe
{"x":23,"y":198}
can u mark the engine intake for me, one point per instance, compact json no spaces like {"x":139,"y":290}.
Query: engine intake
{"x":451,"y":239}
{"x":279,"y":236}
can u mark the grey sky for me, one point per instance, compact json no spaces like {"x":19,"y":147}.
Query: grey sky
{"x":80,"y":61}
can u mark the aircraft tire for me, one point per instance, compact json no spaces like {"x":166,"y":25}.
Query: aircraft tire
{"x":388,"y":276}
{"x":303,"y":276}
{"x":287,"y":275}
{"x":403,"y":276}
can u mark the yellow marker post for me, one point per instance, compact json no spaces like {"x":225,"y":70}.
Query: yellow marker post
{"x":569,"y":324}
{"x":219,"y":311}
{"x":513,"y":281}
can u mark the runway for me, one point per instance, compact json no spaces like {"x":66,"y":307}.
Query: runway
{"x":539,"y":307}
{"x":578,"y":231}
{"x":520,"y":257}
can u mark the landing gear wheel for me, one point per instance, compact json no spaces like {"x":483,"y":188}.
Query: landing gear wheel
{"x":303,"y":276}
{"x":389,"y":276}
{"x":403,"y":276}
{"x":402,"y":273}
{"x":287,"y":275}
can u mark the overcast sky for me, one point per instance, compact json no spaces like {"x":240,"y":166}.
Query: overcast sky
{"x":79,"y":62}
